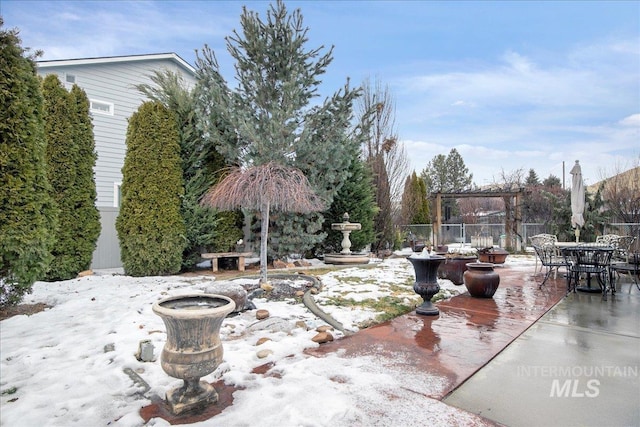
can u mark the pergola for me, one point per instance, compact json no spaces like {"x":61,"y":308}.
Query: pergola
{"x":507,"y":194}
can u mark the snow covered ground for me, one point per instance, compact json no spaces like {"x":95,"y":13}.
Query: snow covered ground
{"x":72,"y":364}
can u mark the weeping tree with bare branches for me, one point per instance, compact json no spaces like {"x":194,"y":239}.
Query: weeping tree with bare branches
{"x":279,"y":134}
{"x":264,"y":188}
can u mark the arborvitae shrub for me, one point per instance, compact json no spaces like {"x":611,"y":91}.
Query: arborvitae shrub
{"x":87,"y":227}
{"x":62,"y":160}
{"x":150,"y":227}
{"x":27,"y":213}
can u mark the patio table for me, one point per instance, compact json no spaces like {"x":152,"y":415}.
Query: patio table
{"x":589,"y":259}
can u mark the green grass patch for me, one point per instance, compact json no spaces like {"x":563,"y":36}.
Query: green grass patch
{"x":10,"y":391}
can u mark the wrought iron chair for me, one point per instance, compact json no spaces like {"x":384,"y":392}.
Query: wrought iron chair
{"x":549,"y":258}
{"x":542,"y":239}
{"x":589,"y":261}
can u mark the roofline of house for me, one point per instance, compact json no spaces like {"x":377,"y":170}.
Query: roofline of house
{"x":111,"y":59}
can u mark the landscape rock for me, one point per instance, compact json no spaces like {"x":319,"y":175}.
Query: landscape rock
{"x":322,"y":337}
{"x":231,"y":290}
{"x":262,"y":340}
{"x":272,"y":324}
{"x":262,"y":314}
{"x":264,"y":353}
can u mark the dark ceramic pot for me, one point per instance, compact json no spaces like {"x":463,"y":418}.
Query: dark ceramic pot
{"x":453,"y":268}
{"x":481,"y":280}
{"x":426,"y":284}
{"x":493,"y":255}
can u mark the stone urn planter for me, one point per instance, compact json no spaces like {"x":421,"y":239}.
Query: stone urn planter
{"x":481,"y":280}
{"x":426,"y":285}
{"x":454,"y":267}
{"x":193,"y":348}
{"x":492,"y":255}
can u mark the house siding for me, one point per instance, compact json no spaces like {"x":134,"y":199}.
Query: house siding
{"x":112,"y":81}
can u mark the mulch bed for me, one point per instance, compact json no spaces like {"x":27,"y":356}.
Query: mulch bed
{"x":16,"y":310}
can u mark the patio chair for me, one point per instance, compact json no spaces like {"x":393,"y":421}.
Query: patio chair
{"x":608,"y":239}
{"x":542,"y":240}
{"x":550,"y":260}
{"x":623,"y":249}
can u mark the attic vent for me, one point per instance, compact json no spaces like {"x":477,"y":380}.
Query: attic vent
{"x":101,"y":107}
{"x":70,"y":78}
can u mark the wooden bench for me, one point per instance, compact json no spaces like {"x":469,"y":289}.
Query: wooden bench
{"x":215,"y":256}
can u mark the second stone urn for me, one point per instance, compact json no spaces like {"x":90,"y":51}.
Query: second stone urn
{"x":193,"y":348}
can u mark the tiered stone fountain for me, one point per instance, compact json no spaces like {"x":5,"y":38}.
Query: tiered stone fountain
{"x":346,"y":256}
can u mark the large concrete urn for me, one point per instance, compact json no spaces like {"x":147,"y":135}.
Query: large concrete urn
{"x":193,"y":348}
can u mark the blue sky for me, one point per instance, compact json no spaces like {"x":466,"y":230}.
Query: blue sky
{"x":510,"y":85}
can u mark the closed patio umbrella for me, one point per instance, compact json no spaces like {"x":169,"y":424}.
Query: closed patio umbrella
{"x":577,"y":199}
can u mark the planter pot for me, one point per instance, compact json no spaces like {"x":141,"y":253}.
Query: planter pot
{"x":453,"y":268}
{"x":426,"y":284}
{"x":193,"y":348}
{"x":494,"y":256}
{"x":480,"y":279}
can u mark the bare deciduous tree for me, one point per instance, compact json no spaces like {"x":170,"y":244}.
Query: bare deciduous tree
{"x":263,"y":188}
{"x":385,"y":155}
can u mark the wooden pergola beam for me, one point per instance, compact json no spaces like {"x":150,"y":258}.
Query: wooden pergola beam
{"x":480,"y":194}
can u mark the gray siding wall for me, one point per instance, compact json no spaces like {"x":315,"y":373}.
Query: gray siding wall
{"x":107,"y":253}
{"x":112,"y":83}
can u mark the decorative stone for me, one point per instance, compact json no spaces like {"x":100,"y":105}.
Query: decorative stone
{"x":262,"y":314}
{"x":262,"y":341}
{"x":264,"y":353}
{"x":231,"y":290}
{"x":85,"y":273}
{"x":314,"y":291}
{"x":279,"y":264}
{"x":301,"y":263}
{"x":145,"y":351}
{"x":322,"y":337}
{"x":272,"y":324}
{"x":302,"y":324}
{"x":324,"y":328}
{"x":299,"y":294}
{"x":268,"y":287}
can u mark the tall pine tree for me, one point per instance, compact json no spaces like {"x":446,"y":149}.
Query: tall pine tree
{"x":272,"y":117}
{"x":27,"y":212}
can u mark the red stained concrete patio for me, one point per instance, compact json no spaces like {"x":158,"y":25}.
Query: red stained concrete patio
{"x":467,"y":334}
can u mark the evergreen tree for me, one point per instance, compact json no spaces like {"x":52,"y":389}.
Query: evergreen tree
{"x":447,"y":174}
{"x":552,"y":181}
{"x":532,"y":178}
{"x":150,"y":227}
{"x":71,"y":157}
{"x":271,"y":118}
{"x":357,"y":198}
{"x":27,"y":212}
{"x":415,"y":205}
{"x":207,"y":229}
{"x":87,"y":228}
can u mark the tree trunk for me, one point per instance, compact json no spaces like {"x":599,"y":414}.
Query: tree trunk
{"x":264,"y":231}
